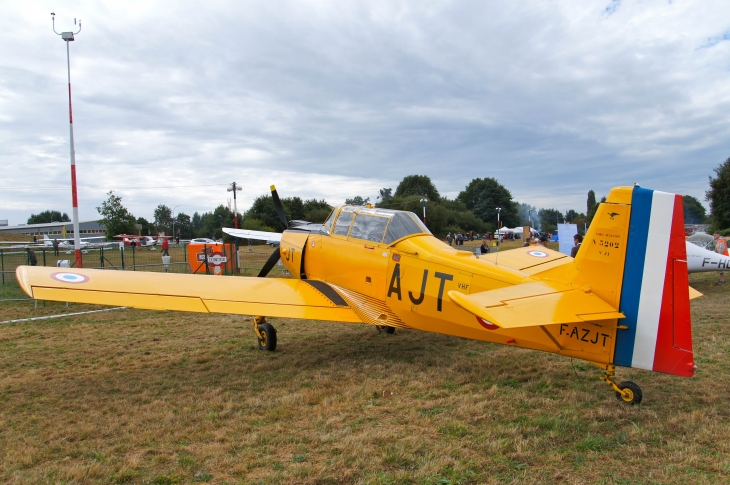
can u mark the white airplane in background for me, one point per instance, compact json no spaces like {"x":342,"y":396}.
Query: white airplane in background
{"x":85,"y":242}
{"x":701,"y":260}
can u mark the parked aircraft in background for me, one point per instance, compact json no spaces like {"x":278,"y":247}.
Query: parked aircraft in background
{"x":68,"y":243}
{"x":702,"y":260}
{"x":142,"y":241}
{"x":624,"y":300}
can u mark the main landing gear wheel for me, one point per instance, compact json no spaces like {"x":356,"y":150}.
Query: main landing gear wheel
{"x":630,"y":392}
{"x":386,"y":328}
{"x":266,"y":333}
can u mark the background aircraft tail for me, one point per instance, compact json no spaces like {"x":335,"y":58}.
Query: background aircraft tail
{"x":634,"y":257}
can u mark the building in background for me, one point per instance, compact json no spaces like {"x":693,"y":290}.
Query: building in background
{"x":55,"y":230}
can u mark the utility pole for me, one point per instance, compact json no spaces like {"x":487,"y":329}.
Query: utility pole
{"x":234,"y":188}
{"x":69,"y":37}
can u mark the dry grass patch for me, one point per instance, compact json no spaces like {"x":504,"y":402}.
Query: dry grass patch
{"x":164,"y":397}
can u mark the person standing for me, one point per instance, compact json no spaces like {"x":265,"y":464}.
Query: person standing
{"x":577,"y":241}
{"x":32,"y":259}
{"x":484,"y":248}
{"x":721,"y":248}
{"x":55,"y":247}
{"x":449,"y":238}
{"x":165,"y":247}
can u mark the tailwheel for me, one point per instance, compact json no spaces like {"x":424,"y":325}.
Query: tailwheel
{"x":266,"y":334}
{"x":626,"y":391}
{"x":630,"y":392}
{"x":385,"y":328}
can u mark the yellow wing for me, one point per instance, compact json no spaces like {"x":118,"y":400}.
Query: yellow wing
{"x":535,"y":304}
{"x":272,"y":297}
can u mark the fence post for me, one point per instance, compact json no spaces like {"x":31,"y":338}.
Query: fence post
{"x":134,"y":259}
{"x":205,"y":255}
{"x":101,"y":256}
{"x":122,"y":251}
{"x":185,"y":253}
{"x":44,"y":257}
{"x":2,"y":264}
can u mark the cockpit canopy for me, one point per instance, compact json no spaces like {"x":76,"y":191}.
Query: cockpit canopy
{"x":375,"y":225}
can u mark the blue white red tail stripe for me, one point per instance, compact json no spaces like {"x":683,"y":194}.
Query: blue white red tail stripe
{"x":654,"y":295}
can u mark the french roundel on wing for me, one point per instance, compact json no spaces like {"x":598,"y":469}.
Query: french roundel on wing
{"x":70,"y":277}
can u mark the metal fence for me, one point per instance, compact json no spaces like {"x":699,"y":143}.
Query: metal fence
{"x":247,"y":261}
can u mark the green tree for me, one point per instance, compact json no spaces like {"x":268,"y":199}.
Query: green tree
{"x":197,"y":224}
{"x":163,"y":219}
{"x":694,"y":211}
{"x":418,"y":185}
{"x":591,"y":206}
{"x":115,"y":217}
{"x":719,"y":196}
{"x":316,"y":211}
{"x":385,"y":195}
{"x":357,"y":200}
{"x":48,"y":216}
{"x":484,"y":196}
{"x":214,"y":222}
{"x":146,"y":227}
{"x":549,"y":219}
{"x":183,"y":226}
{"x":571,"y":216}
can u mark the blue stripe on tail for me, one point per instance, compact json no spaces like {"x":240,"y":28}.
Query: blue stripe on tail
{"x":633,"y":273}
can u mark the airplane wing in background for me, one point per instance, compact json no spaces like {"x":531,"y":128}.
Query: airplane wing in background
{"x":273,"y":237}
{"x":273,"y":297}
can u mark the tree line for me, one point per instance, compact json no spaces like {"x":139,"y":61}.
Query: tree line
{"x":474,"y":209}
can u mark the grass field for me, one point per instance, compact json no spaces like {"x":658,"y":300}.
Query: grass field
{"x":137,"y":396}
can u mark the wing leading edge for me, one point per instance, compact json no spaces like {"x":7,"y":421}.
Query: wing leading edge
{"x":273,"y":297}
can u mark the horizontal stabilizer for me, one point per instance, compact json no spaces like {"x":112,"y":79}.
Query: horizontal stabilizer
{"x":274,"y":237}
{"x":535,"y":304}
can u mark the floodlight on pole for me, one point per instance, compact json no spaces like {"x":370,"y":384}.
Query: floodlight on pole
{"x":173,"y":220}
{"x":423,"y":201}
{"x":69,"y":37}
{"x":499,"y":228}
{"x":234,"y":188}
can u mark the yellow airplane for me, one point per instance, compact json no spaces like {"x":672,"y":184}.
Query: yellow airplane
{"x":623,"y":301}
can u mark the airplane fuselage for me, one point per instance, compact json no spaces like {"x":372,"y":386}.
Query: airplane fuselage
{"x":409,"y":283}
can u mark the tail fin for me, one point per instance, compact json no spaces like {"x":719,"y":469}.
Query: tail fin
{"x":636,"y":260}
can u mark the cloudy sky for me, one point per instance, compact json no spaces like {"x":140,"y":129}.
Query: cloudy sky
{"x":175,"y":100}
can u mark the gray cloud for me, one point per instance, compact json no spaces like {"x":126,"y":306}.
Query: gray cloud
{"x":335,"y":100}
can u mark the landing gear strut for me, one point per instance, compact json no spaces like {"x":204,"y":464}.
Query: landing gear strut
{"x":266,"y":334}
{"x":627,"y":391}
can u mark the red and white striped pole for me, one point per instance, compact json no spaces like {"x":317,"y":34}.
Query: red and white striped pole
{"x":68,"y":37}
{"x":74,"y":197}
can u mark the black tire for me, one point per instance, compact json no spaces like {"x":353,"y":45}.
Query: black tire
{"x":633,"y":396}
{"x":268,"y":332}
{"x":389,"y":330}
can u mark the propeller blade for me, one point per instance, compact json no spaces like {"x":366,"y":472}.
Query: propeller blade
{"x":279,"y":207}
{"x":270,"y":263}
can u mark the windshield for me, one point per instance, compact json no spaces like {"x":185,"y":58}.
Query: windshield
{"x":377,"y":225}
{"x":369,"y":227}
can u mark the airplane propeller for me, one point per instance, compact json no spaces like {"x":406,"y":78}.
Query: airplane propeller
{"x":276,"y":255}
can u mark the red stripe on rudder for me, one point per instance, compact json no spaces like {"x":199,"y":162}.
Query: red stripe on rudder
{"x":673,"y":353}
